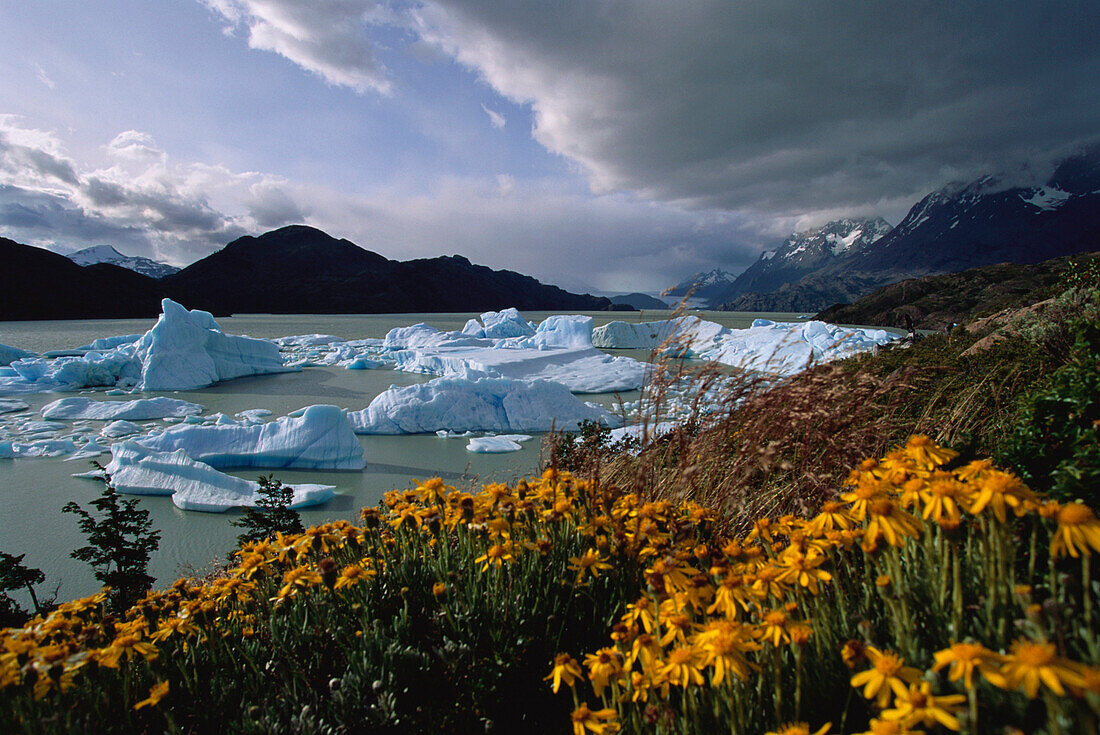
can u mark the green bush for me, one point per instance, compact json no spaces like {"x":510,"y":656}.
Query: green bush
{"x":1054,"y":445}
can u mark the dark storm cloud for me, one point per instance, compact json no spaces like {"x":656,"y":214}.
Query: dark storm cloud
{"x":784,"y":106}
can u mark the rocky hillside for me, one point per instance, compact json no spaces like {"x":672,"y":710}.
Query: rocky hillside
{"x":934,"y":302}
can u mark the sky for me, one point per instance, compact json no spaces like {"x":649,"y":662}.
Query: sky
{"x":602,"y":145}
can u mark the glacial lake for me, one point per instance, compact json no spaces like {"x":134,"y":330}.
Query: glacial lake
{"x":32,"y":491}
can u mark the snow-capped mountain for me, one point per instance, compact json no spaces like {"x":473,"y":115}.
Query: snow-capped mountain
{"x":804,"y":253}
{"x":707,"y":287}
{"x":955,"y":228}
{"x":107,"y":254}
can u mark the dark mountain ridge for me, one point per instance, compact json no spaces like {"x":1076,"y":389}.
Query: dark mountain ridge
{"x":38,"y":284}
{"x":292,"y":270}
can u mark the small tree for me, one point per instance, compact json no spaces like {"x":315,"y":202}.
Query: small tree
{"x":15,"y":576}
{"x":272,"y":513}
{"x":119,"y":544}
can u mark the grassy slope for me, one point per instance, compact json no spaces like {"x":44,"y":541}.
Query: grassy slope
{"x":933,"y":302}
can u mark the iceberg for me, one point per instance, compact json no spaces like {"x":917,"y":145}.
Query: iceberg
{"x":186,"y":350}
{"x":142,"y":409}
{"x":504,"y":324}
{"x":782,"y":348}
{"x":319,"y":438}
{"x":483,"y":404}
{"x":193,"y":485}
{"x":497,"y":444}
{"x":503,"y":345}
{"x":9,"y":354}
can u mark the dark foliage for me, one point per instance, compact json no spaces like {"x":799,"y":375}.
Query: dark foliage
{"x":120,"y":543}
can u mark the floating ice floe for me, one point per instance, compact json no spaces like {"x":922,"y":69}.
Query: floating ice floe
{"x":193,"y":485}
{"x":91,"y":449}
{"x":484,"y":404}
{"x":184,"y":350}
{"x":782,"y":348}
{"x":120,"y":428}
{"x":12,"y":405}
{"x":9,"y":354}
{"x":559,"y":350}
{"x":497,"y":444}
{"x":39,"y":448}
{"x":142,"y":409}
{"x":319,"y":438}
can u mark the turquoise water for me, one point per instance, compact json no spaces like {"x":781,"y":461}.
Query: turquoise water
{"x":32,"y":491}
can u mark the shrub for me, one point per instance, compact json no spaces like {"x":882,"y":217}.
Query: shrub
{"x":272,"y":513}
{"x":120,"y":543}
{"x":1056,"y":445}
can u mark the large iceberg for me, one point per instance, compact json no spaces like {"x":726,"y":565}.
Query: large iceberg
{"x":193,"y":485}
{"x":559,"y":350}
{"x":782,"y":348}
{"x":9,"y":354}
{"x":318,"y":438}
{"x":484,"y":404}
{"x":142,"y":409}
{"x":184,"y":350}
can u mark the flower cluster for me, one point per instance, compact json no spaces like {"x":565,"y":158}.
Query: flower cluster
{"x":902,"y":587}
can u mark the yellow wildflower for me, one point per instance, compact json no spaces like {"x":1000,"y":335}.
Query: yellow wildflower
{"x":495,"y":555}
{"x":684,"y":666}
{"x":603,"y":666}
{"x":964,"y":658}
{"x":1078,"y":530}
{"x":917,"y":705}
{"x":888,"y":673}
{"x":566,"y":669}
{"x":1030,"y":664}
{"x":597,"y":721}
{"x":799,"y":728}
{"x":926,"y":454}
{"x":591,"y":563}
{"x":158,"y":692}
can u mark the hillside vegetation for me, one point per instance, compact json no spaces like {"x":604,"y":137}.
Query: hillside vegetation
{"x":934,"y":302}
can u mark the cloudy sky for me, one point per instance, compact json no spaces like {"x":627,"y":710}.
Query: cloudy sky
{"x":599,"y":144}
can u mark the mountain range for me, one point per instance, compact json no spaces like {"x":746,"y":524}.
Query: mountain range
{"x":292,"y":270}
{"x":107,"y":254}
{"x":960,"y":226}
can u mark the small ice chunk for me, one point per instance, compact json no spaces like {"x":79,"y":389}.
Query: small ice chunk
{"x":41,"y":427}
{"x":142,"y":409}
{"x":364,"y":363}
{"x":120,"y":428}
{"x":497,"y":444}
{"x":91,"y":449}
{"x":9,"y":354}
{"x":40,"y":448}
{"x":12,"y":405}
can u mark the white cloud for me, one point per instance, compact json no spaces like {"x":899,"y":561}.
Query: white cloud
{"x":326,"y":37}
{"x":142,"y":199}
{"x":43,"y":77}
{"x":495,"y":118}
